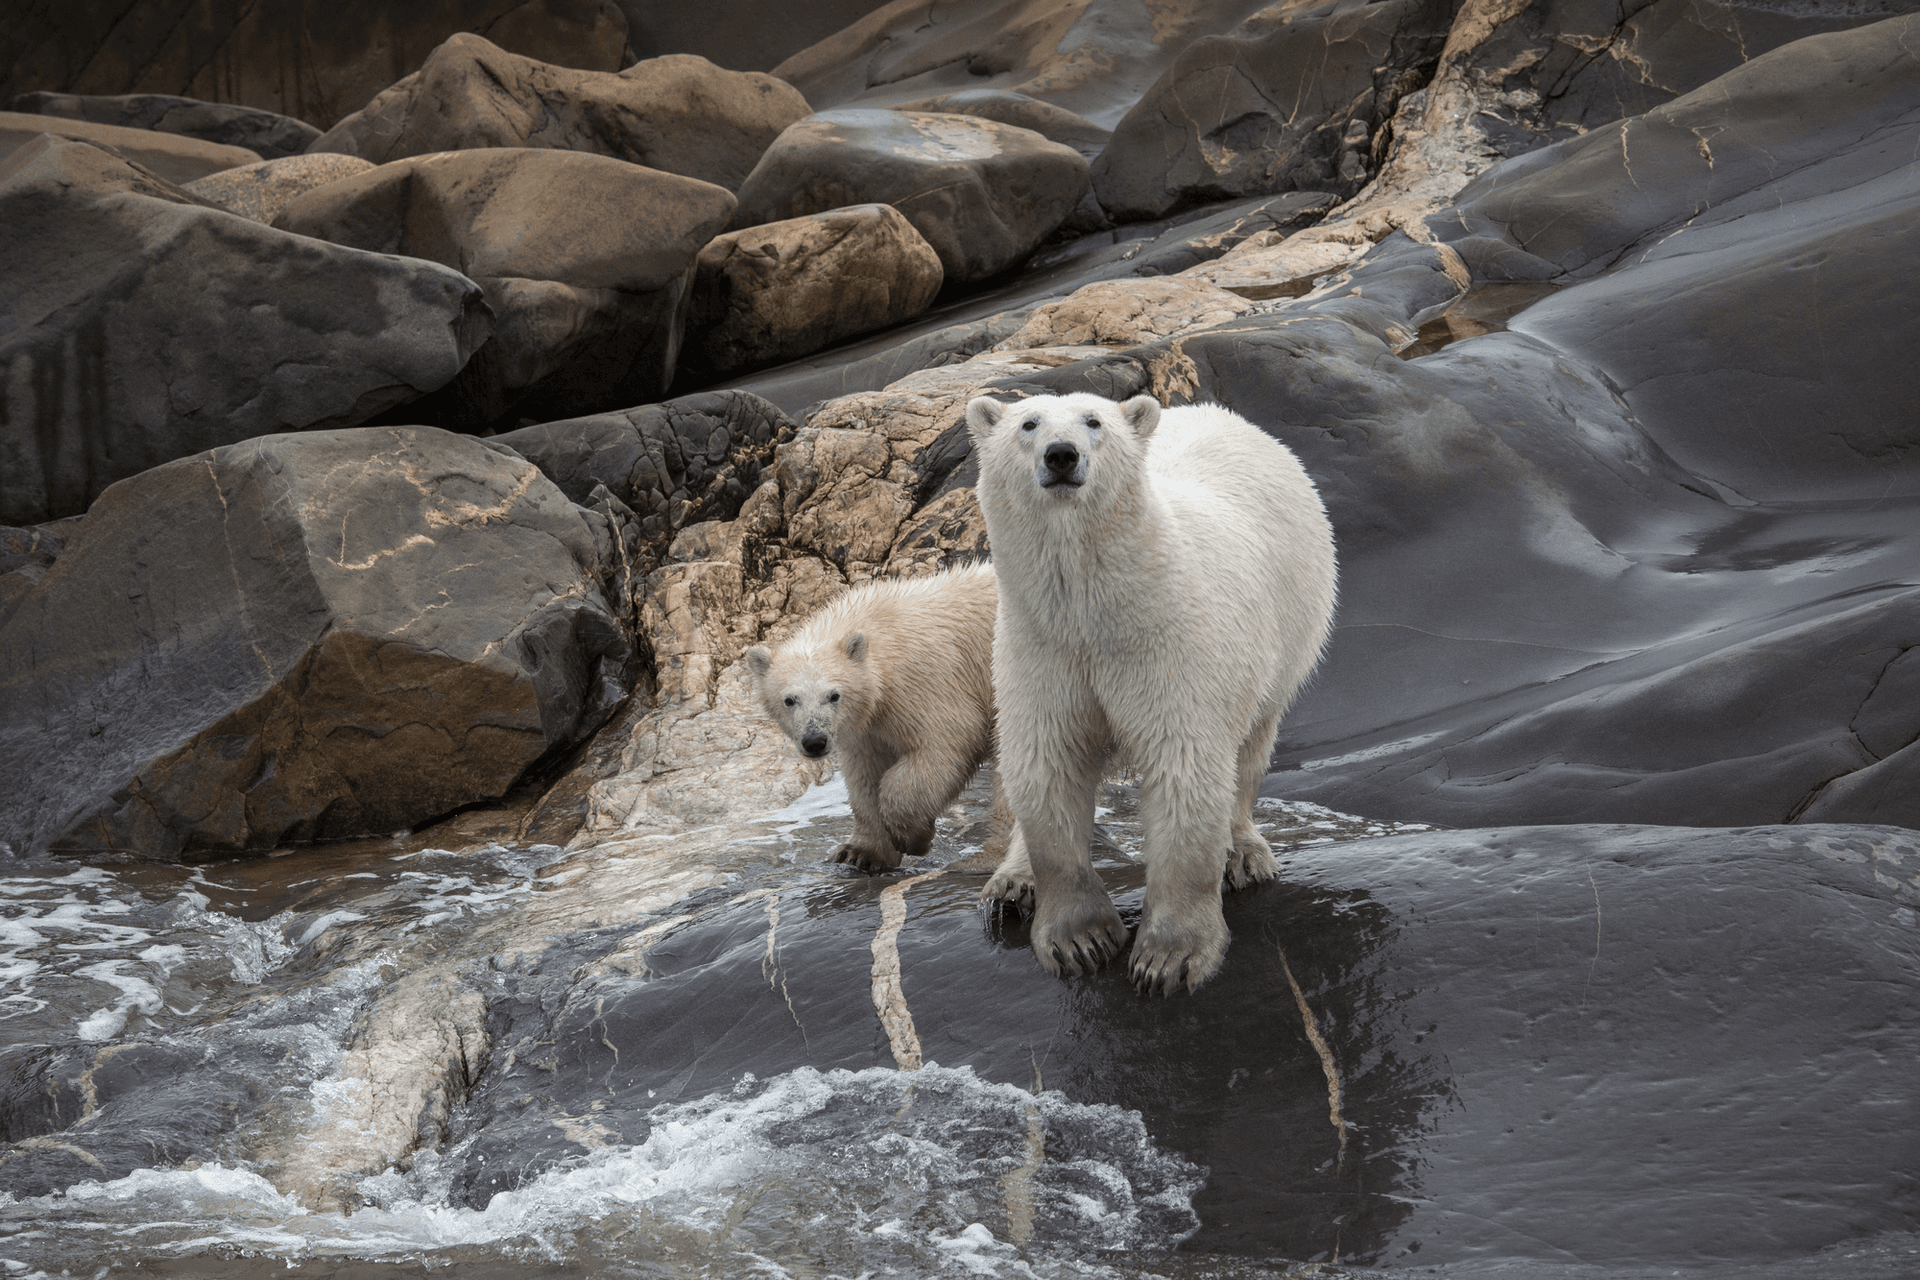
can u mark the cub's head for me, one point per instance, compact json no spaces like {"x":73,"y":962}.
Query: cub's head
{"x":1059,"y":450}
{"x":808,"y":688}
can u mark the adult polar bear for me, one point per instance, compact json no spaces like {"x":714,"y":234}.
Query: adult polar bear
{"x":1166,"y":584}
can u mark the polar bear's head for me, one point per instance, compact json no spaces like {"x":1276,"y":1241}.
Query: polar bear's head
{"x":1060,"y":449}
{"x":807,"y":686}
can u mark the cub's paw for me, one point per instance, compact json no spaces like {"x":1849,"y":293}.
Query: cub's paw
{"x":1077,"y":935}
{"x":1250,"y":861}
{"x":1172,"y":951}
{"x":866,"y":857}
{"x":1013,"y":880}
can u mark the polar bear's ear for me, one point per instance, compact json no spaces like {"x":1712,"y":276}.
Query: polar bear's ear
{"x":983,"y":415}
{"x":1142,"y":413}
{"x":759,"y":660}
{"x":856,"y":646}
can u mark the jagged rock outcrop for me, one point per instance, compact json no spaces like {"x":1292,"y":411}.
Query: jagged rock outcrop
{"x":172,"y":157}
{"x":1287,"y":104}
{"x":588,"y":299}
{"x":310,"y":59}
{"x":983,"y":194}
{"x":258,"y":192}
{"x":268,"y":134}
{"x":679,"y":113}
{"x":147,"y":326}
{"x":301,"y":636}
{"x":785,"y":289}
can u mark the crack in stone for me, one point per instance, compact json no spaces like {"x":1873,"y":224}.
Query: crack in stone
{"x":25,"y":1145}
{"x":1326,"y":1056}
{"x":889,"y":999}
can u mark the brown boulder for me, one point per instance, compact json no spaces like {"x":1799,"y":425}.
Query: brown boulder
{"x":784,"y":289}
{"x":588,"y":298}
{"x":302,"y":636}
{"x":266,"y":133}
{"x":171,"y":156}
{"x":679,"y":114}
{"x":983,"y":194}
{"x":146,"y":326}
{"x":1055,"y":124}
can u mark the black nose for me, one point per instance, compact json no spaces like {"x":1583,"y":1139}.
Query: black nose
{"x":1061,"y":457}
{"x":814,"y":744}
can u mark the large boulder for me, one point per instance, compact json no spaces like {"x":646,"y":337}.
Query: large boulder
{"x":983,"y":194}
{"x":146,"y":326}
{"x":259,"y":192}
{"x":301,"y":636}
{"x":173,"y":157}
{"x":1296,"y":107}
{"x":678,"y":113}
{"x":784,"y":289}
{"x":265,"y":133}
{"x":588,"y":299}
{"x":311,"y":59}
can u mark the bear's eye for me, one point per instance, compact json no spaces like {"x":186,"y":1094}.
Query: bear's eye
{"x":790,"y":701}
{"x":1093,"y":424}
{"x":834,"y":696}
{"x":1031,"y":424}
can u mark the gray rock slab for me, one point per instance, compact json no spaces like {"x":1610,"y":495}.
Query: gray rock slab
{"x":147,"y":326}
{"x":268,"y":133}
{"x":171,"y":156}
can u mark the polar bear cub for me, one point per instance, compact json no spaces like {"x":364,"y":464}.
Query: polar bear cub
{"x":1166,"y":584}
{"x":895,"y":678}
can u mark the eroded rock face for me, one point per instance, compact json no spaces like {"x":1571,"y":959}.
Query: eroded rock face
{"x":170,"y":156}
{"x":1296,"y":106}
{"x":983,"y":194}
{"x":259,"y":192}
{"x":784,"y":289}
{"x":147,"y":326}
{"x":678,"y":113}
{"x":297,"y":637}
{"x":588,"y":298}
{"x":342,"y":57}
{"x":1126,"y":313}
{"x":266,"y":133}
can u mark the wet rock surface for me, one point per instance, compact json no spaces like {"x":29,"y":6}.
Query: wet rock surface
{"x":267,"y":134}
{"x":983,"y":194}
{"x":299,"y":637}
{"x":679,"y":113}
{"x":147,"y":326}
{"x":588,"y":302}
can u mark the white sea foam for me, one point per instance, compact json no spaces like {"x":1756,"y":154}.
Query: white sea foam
{"x":894,"y":1173}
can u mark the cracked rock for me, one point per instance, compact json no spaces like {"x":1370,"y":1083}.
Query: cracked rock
{"x":147,"y":326}
{"x":300,"y":637}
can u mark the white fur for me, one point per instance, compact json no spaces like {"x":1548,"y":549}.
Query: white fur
{"x":895,"y":678}
{"x":1169,"y":607}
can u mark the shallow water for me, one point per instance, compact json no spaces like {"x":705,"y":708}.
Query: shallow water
{"x":197,"y":1063}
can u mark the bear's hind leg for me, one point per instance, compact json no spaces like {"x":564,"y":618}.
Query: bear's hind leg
{"x":1250,"y":860}
{"x":1186,"y":821}
{"x":916,"y":791}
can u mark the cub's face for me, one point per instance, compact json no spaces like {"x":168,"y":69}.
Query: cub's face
{"x":1058,"y":449}
{"x":803,"y":697}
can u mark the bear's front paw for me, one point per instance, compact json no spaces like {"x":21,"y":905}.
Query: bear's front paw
{"x":1077,"y":936}
{"x":1012,"y":882}
{"x":866,"y":856}
{"x":1250,"y":861}
{"x":1169,"y":951}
